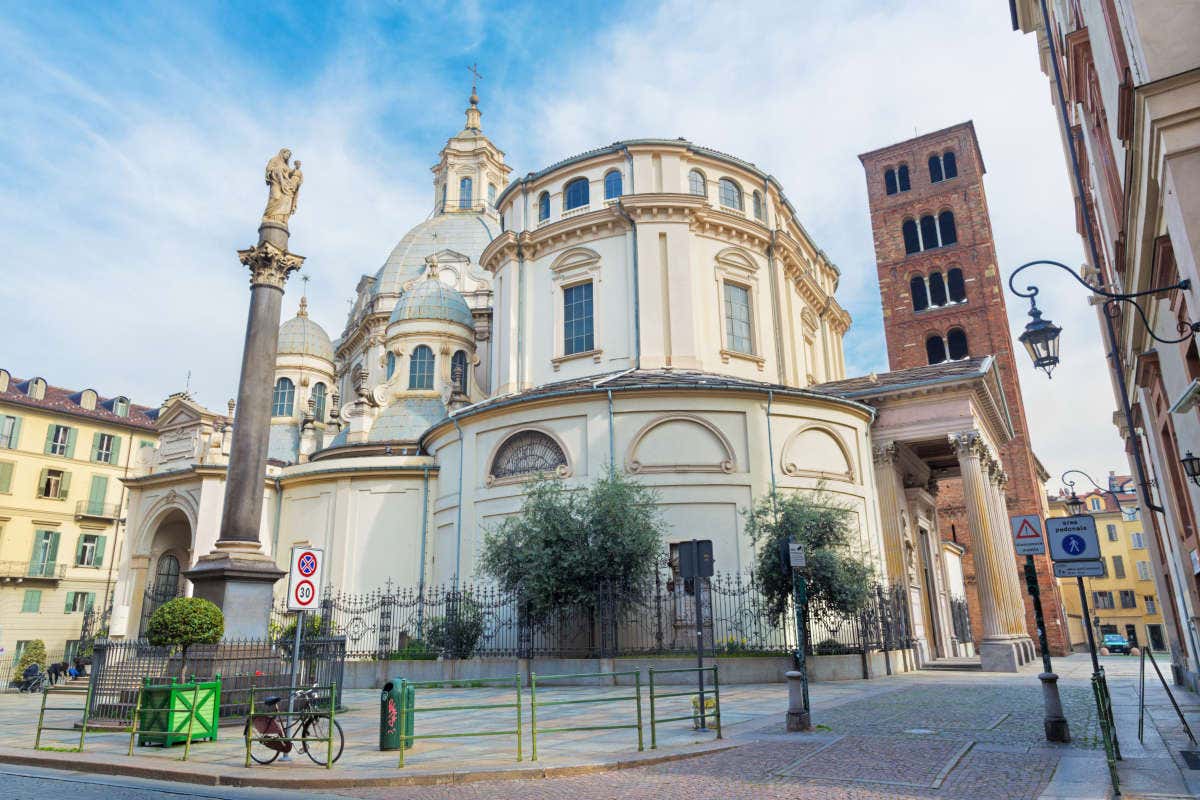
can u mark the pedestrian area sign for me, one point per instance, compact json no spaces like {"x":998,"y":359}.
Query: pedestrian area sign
{"x":1027,"y":535}
{"x":304,"y":578}
{"x":1073,"y":538}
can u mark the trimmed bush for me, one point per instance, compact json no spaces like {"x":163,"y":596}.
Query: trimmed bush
{"x":183,"y":622}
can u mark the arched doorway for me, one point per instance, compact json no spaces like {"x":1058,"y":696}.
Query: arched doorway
{"x":170,"y":554}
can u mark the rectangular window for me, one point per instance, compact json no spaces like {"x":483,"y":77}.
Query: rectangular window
{"x":10,"y":431}
{"x":54,"y":484}
{"x":85,"y":553}
{"x":79,"y":601}
{"x":32,"y":601}
{"x":104,"y":448}
{"x":43,"y":560}
{"x":1118,"y":567}
{"x":1128,"y":599}
{"x":1102,"y":600}
{"x":1112,"y":533}
{"x":58,"y":440}
{"x":1143,"y":568}
{"x":1139,"y":541}
{"x":578,"y":331}
{"x":1151,"y":605}
{"x":738,"y":335}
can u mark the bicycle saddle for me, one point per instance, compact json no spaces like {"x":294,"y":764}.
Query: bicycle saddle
{"x":271,"y":700}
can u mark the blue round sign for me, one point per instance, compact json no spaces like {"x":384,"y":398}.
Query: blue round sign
{"x":1073,"y":544}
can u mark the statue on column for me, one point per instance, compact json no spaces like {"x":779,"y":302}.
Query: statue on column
{"x":284,"y":182}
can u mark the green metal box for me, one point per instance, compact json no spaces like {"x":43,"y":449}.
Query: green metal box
{"x":166,"y":711}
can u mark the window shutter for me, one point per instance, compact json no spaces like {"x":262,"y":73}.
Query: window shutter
{"x":71,"y":442}
{"x":6,"y":471}
{"x":64,"y":486}
{"x":98,"y":561}
{"x":79,"y":550}
{"x":52,"y":550}
{"x":41,"y":482}
{"x":116,"y":449}
{"x":98,"y":492}
{"x":49,"y":438}
{"x":90,"y":601}
{"x":95,"y":447}
{"x":67,"y":605}
{"x":16,"y":433}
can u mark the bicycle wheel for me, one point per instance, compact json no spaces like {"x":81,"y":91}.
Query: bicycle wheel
{"x":318,"y":728}
{"x":260,"y":751}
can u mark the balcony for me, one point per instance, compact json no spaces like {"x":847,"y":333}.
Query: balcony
{"x":33,"y":571}
{"x":95,"y":510}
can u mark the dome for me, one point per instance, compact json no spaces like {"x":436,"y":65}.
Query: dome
{"x":432,"y":299}
{"x":462,"y":232}
{"x":405,"y":420}
{"x":300,"y":336}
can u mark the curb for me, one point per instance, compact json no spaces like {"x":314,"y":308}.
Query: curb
{"x":209,"y":777}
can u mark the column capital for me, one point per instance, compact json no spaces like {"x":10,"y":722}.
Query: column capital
{"x":885,"y":453}
{"x":968,"y":443}
{"x":269,"y":266}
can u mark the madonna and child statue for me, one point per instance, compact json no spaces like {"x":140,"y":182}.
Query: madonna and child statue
{"x":284,"y":181}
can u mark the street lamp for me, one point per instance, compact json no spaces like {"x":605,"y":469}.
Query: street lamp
{"x":1074,"y":505}
{"x":1191,"y":466}
{"x":1041,"y":340}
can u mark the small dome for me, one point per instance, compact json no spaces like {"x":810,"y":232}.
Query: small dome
{"x":405,"y":420}
{"x":300,"y":336}
{"x":463,"y":232}
{"x":432,"y":299}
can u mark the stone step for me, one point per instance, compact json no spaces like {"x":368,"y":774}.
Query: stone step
{"x":953,"y":665}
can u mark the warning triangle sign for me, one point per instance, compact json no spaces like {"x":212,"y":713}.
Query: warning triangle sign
{"x":1027,"y":531}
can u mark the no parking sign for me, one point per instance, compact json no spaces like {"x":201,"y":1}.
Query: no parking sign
{"x":304,"y":578}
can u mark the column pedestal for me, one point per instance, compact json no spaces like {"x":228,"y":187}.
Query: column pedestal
{"x":240,"y":580}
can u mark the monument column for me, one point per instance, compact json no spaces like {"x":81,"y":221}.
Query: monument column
{"x":237,"y":575}
{"x":996,"y":650}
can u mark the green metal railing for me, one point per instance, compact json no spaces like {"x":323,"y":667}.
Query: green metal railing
{"x":514,"y":681}
{"x":534,"y":705}
{"x":698,"y":715}
{"x":67,"y":691}
{"x":137,"y":713}
{"x":287,"y":715}
{"x":1108,"y":729}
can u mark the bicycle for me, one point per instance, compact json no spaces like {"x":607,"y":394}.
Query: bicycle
{"x":273,"y":734}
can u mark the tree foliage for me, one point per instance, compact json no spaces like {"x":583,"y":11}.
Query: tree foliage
{"x":837,"y":580}
{"x":565,"y":543}
{"x":456,"y":634}
{"x":183,"y":622}
{"x":33,"y":653}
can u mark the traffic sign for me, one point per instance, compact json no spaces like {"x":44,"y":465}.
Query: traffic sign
{"x":1073,"y":538}
{"x":796,"y":555}
{"x":1027,"y":535}
{"x":1079,"y":569}
{"x":304,"y":578}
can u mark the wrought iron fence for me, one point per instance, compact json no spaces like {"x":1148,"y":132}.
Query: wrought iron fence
{"x":960,"y":614}
{"x":119,"y":667}
{"x":660,"y":618}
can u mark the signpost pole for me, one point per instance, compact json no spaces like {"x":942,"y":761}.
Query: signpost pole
{"x":697,"y":588}
{"x":1055,"y":722}
{"x":295,"y":660}
{"x":792,"y":561}
{"x":1087,"y":624}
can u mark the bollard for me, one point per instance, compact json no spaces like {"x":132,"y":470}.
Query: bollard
{"x":1055,"y":723}
{"x":798,"y":718}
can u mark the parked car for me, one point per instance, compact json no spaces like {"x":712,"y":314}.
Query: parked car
{"x":1116,"y":643}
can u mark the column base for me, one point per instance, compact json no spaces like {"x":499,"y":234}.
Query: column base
{"x":241,"y":583}
{"x":1000,"y":656}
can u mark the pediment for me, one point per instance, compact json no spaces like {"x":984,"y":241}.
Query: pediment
{"x":182,"y":413}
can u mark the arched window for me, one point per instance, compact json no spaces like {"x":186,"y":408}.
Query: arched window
{"x":935,"y":349}
{"x":442,"y":207}
{"x":285,"y":396}
{"x":946,"y":227}
{"x":458,"y":371}
{"x":937,"y":290}
{"x":929,"y":236}
{"x":391,"y":364}
{"x":731,"y":194}
{"x":492,"y":195}
{"x":697,"y":184}
{"x":935,"y":169}
{"x":121,"y":406}
{"x":464,"y":193}
{"x":949,"y":165}
{"x":576,"y":194}
{"x":318,"y":396}
{"x":956,"y":344}
{"x":166,"y":577}
{"x":420,"y":368}
{"x":912,"y":240}
{"x":612,"y":184}
{"x":958,"y":289}
{"x":543,"y":206}
{"x":889,"y":181}
{"x":760,"y":211}
{"x":902,"y":177}
{"x":528,"y":453}
{"x":920,"y":296}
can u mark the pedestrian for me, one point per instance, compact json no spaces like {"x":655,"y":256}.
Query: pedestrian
{"x":53,"y":672}
{"x":72,"y":672}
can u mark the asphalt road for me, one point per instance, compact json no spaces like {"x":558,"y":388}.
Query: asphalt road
{"x":37,"y":783}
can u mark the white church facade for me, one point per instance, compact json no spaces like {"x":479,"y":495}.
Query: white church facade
{"x":653,"y":305}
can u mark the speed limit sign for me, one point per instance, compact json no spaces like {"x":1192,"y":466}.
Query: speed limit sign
{"x":304,"y":578}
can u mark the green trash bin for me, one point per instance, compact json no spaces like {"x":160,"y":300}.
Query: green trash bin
{"x":389,"y":714}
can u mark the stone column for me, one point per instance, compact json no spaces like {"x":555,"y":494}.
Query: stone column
{"x":237,"y":575}
{"x":1016,"y":583}
{"x":1008,"y":589}
{"x":997,"y":651}
{"x":887,"y":484}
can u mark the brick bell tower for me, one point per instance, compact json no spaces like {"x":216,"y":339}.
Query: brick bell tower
{"x":943,"y":299}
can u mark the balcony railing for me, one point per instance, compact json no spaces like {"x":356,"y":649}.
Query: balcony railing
{"x":91,"y":508}
{"x":17,"y":571}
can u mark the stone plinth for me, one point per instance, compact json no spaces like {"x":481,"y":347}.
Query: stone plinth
{"x":241,"y":582}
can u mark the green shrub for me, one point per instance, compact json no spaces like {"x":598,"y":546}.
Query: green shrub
{"x":456,"y":634}
{"x":183,"y":622}
{"x":34,"y":653}
{"x":414,"y":650}
{"x":312,"y":628}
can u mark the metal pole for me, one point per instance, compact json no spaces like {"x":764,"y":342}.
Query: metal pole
{"x":1087,"y":623}
{"x":696,"y":589}
{"x":295,"y":663}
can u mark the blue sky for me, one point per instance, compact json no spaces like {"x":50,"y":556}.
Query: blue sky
{"x":132,"y":139}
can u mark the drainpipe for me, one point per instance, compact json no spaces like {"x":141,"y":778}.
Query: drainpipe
{"x":108,"y":582}
{"x":424,"y":535}
{"x":278,"y":514}
{"x":462,"y":456}
{"x":770,"y":444}
{"x":612,"y":447}
{"x":637,"y":313}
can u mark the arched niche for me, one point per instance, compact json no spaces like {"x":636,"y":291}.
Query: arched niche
{"x":817,"y":451}
{"x":680,"y":443}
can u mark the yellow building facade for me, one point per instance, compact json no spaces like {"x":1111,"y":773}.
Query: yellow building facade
{"x":63,"y":455}
{"x":1125,"y":600}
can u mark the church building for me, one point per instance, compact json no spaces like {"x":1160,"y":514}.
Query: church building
{"x":654,"y":305}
